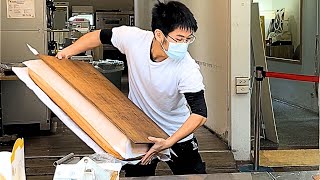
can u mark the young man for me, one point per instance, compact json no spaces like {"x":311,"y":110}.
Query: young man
{"x":164,"y":82}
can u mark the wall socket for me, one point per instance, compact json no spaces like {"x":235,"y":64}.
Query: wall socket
{"x":243,"y":89}
{"x":242,"y":85}
{"x":242,"y":81}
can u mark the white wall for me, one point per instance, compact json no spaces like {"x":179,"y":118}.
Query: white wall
{"x":240,"y":67}
{"x":211,"y":50}
{"x":264,"y":5}
{"x":142,"y":13}
{"x":223,"y":37}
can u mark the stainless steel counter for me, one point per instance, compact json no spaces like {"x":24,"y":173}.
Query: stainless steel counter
{"x":8,"y":78}
{"x":304,"y":175}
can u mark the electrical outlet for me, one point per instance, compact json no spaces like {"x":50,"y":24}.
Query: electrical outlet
{"x":242,"y":81}
{"x":243,"y":89}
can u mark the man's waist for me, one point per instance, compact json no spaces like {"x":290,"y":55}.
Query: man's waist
{"x":186,"y":140}
{"x":186,"y":143}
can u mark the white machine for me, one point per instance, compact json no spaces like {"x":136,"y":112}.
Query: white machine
{"x":79,"y":24}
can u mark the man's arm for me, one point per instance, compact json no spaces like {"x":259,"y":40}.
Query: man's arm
{"x":86,"y":42}
{"x":198,"y":107}
{"x":198,"y":117}
{"x":193,"y":123}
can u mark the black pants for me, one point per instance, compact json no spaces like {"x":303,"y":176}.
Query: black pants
{"x":187,"y":162}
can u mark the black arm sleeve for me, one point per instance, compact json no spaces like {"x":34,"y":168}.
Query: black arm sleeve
{"x":105,"y":36}
{"x":197,"y":103}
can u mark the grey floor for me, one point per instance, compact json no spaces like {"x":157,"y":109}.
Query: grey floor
{"x":297,"y":128}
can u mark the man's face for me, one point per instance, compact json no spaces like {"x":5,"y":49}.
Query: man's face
{"x":177,"y":36}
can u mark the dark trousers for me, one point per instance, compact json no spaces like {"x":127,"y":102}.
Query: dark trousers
{"x":188,"y":162}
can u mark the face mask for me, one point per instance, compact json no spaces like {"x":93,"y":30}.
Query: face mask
{"x":176,"y":51}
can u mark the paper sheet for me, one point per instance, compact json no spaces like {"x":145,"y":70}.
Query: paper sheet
{"x":5,"y":165}
{"x":20,"y":8}
{"x":87,"y":169}
{"x":23,"y":75}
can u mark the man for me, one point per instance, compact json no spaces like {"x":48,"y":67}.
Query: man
{"x":164,"y":81}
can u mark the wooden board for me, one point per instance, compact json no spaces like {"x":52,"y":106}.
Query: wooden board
{"x":259,"y":59}
{"x":74,"y":115}
{"x":107,"y":98}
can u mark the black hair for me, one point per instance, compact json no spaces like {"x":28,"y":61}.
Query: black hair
{"x":172,"y":15}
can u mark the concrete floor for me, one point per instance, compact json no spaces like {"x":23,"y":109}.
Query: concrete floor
{"x":297,"y":128}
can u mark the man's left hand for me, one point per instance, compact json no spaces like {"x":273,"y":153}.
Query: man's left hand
{"x":159,"y":145}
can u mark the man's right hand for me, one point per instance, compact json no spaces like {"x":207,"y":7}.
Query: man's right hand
{"x":86,"y":42}
{"x":63,"y":54}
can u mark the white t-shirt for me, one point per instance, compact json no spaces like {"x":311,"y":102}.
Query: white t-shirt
{"x":157,"y":87}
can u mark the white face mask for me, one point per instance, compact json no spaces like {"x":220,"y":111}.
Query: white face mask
{"x":176,"y":51}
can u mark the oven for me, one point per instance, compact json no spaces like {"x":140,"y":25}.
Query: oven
{"x":109,"y":20}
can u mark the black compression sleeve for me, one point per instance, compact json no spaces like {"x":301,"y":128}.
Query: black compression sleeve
{"x":197,"y":103}
{"x":105,"y":36}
